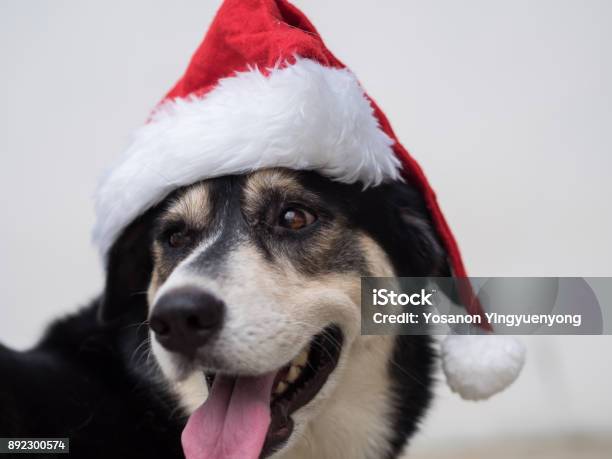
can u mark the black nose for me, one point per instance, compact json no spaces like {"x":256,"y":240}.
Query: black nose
{"x":184,"y":319}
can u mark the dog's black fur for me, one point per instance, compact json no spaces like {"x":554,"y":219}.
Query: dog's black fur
{"x":86,"y":379}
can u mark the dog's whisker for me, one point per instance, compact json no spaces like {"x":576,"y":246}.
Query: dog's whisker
{"x":137,"y":352}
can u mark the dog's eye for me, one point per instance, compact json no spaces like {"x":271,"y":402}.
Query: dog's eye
{"x":177,"y":239}
{"x":294,"y":218}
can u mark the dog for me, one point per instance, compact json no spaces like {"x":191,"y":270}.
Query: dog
{"x":244,"y":289}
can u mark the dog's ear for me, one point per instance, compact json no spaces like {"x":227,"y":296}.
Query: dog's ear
{"x":128,"y":272}
{"x":417,"y":250}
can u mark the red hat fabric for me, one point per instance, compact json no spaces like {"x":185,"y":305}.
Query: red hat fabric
{"x":249,"y":33}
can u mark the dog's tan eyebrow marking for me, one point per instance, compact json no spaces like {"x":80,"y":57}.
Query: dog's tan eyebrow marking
{"x":272,"y":178}
{"x":193,"y":206}
{"x":283,"y":181}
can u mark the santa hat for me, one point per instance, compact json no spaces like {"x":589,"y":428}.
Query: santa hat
{"x":263,"y":90}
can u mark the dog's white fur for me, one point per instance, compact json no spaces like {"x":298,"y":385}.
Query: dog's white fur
{"x":318,"y":117}
{"x":263,"y":331}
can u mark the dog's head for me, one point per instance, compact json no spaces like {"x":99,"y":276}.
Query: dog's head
{"x":253,"y":285}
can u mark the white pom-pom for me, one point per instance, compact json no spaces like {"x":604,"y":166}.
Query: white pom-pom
{"x":479,"y":366}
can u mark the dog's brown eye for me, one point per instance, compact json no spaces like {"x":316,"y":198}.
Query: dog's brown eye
{"x":295,"y":219}
{"x":178,"y":239}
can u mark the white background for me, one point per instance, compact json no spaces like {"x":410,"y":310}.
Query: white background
{"x":507,"y":105}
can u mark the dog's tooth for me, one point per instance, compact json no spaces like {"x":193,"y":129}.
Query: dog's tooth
{"x":281,"y":387}
{"x":302,"y":358}
{"x":293,"y":374}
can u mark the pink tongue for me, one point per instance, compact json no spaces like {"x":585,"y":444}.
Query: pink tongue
{"x":233,"y":421}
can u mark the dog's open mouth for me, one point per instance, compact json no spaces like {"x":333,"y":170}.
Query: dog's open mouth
{"x":250,"y":417}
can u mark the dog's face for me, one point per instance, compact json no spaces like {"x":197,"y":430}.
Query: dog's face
{"x":260,"y":275}
{"x":276,"y":262}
